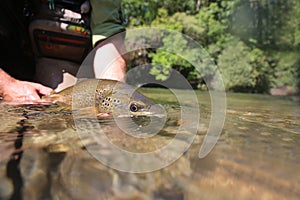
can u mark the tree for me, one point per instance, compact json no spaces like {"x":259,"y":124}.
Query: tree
{"x":256,"y":43}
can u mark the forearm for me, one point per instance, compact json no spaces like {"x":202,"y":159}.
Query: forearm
{"x":109,"y":62}
{"x":108,"y":39}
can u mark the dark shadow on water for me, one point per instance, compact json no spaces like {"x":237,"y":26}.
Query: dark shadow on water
{"x":13,"y":169}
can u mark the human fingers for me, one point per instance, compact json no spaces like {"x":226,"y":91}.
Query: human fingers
{"x":43,"y":90}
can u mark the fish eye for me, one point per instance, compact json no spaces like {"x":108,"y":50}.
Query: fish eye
{"x":133,"y":107}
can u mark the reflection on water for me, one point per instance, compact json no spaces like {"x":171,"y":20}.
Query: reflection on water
{"x":257,"y":155}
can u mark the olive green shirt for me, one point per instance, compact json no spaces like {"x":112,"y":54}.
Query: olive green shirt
{"x":106,"y":19}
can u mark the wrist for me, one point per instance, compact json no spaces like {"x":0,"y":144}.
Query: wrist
{"x":5,"y":80}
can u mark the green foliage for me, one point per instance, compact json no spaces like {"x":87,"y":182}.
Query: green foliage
{"x":273,"y":23}
{"x":234,"y":63}
{"x":297,"y":38}
{"x":190,"y":25}
{"x":174,"y":6}
{"x":170,"y":55}
{"x":139,"y":12}
{"x":287,"y":69}
{"x":256,"y":44}
{"x":208,"y":18}
{"x":164,"y":21}
{"x":243,"y":68}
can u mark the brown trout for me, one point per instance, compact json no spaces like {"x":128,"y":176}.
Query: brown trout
{"x":106,"y":96}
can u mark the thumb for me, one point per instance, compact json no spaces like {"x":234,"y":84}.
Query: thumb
{"x":43,"y":90}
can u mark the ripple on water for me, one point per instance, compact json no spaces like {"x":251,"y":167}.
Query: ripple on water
{"x":257,"y":155}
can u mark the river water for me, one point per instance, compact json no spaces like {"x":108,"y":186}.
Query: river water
{"x":256,"y":157}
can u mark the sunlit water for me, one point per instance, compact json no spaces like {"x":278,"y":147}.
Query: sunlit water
{"x":257,"y":156}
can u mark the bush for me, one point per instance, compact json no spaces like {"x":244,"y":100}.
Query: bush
{"x":242,"y":68}
{"x":286,"y":70}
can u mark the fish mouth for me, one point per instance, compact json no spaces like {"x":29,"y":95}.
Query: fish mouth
{"x":154,"y":110}
{"x":143,"y":124}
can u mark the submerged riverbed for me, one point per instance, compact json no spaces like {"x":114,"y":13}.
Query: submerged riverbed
{"x":256,"y":157}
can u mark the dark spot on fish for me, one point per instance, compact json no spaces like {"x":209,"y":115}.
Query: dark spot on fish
{"x":116,"y":101}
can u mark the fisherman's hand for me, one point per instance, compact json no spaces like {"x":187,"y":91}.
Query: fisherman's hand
{"x":24,"y":92}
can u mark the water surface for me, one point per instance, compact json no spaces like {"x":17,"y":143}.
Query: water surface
{"x":256,"y":157}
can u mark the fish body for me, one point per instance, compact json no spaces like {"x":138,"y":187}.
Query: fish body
{"x":106,"y":96}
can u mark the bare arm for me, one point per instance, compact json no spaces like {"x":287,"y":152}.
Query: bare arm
{"x":12,"y":89}
{"x":109,"y":62}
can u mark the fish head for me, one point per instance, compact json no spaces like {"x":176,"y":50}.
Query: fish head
{"x":125,"y":101}
{"x":124,"y":104}
{"x":139,"y":104}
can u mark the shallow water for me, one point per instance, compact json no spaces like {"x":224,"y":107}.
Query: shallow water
{"x":256,"y":157}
